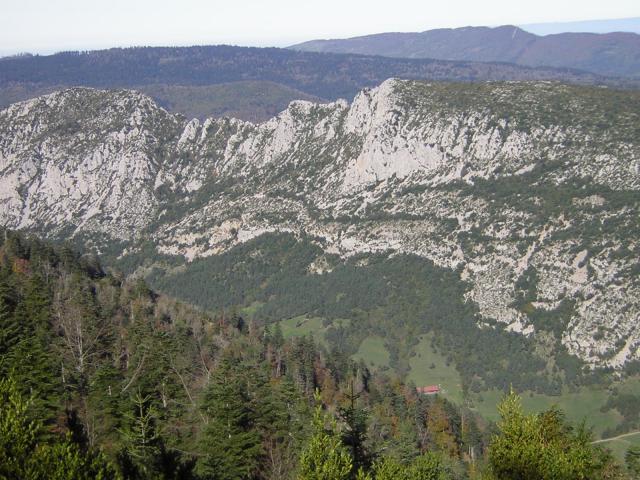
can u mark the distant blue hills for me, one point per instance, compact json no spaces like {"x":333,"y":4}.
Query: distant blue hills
{"x":631,"y":25}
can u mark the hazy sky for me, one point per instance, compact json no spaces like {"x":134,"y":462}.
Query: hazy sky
{"x":51,"y":25}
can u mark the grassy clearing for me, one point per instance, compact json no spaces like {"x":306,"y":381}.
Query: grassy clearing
{"x":250,"y":311}
{"x":582,"y":405}
{"x":619,"y":446}
{"x":303,"y":325}
{"x":373,"y":352}
{"x":428,"y":367}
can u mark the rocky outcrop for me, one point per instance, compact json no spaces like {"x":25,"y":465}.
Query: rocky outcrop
{"x":529,"y":190}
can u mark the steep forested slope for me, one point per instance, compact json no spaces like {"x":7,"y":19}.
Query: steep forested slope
{"x":102,"y":378}
{"x":166,"y":391}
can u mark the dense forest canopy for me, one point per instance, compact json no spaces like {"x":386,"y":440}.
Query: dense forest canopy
{"x":103,"y":378}
{"x":399,"y":297}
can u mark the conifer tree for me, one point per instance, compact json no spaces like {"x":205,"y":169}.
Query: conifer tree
{"x":229,"y":441}
{"x":139,"y":456}
{"x":24,"y":456}
{"x":279,"y":411}
{"x":144,"y":454}
{"x":544,"y":446}
{"x":31,"y":360}
{"x":388,"y":468}
{"x":354,"y":435}
{"x":404,"y":445}
{"x":428,"y":467}
{"x":9,"y":329}
{"x":632,"y":459}
{"x":325,"y":457}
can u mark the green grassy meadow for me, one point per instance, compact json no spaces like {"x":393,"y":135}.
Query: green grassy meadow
{"x":428,"y":367}
{"x":303,"y":325}
{"x":582,"y":405}
{"x":619,"y":446}
{"x":373,"y":352}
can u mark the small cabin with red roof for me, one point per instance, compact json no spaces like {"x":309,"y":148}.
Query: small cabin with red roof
{"x":429,"y":390}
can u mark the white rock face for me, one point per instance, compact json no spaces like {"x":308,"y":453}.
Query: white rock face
{"x":517,"y":186}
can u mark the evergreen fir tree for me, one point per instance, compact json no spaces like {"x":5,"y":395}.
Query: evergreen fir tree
{"x":32,"y":360}
{"x":388,"y":468}
{"x":104,"y":402}
{"x":24,"y":456}
{"x":279,"y":412}
{"x":544,"y":446}
{"x":325,"y":457}
{"x":141,"y":450}
{"x":229,"y":442}
{"x":428,"y":467}
{"x":632,"y":459}
{"x":404,"y":445}
{"x":144,"y":454}
{"x":354,"y":435}
{"x":9,"y":329}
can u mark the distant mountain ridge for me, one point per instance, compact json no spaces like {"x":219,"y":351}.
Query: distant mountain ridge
{"x":631,"y":25}
{"x":612,"y":54}
{"x":248,"y":83}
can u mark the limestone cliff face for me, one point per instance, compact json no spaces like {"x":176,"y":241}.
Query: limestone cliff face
{"x":82,"y":160}
{"x":529,"y":190}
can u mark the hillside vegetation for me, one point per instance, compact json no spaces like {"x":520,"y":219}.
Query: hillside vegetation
{"x":214,"y":81}
{"x":496,"y":222}
{"x":103,"y":378}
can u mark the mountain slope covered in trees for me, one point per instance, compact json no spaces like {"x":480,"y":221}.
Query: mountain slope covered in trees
{"x":177,"y":76}
{"x":103,"y":378}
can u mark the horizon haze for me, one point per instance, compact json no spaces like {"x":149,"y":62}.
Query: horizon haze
{"x":39,"y":27}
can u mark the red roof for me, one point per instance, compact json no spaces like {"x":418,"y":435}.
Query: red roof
{"x":429,"y":389}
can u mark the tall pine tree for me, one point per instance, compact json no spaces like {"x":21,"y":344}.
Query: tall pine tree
{"x":229,"y":443}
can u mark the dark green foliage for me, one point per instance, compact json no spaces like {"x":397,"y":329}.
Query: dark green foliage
{"x":231,"y":279}
{"x":398,"y":297}
{"x":632,"y":459}
{"x":229,"y":441}
{"x":281,"y":417}
{"x":627,"y":404}
{"x":23,"y":456}
{"x":28,"y":357}
{"x":544,"y":446}
{"x":169,"y":392}
{"x":354,"y":435}
{"x":144,"y":454}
